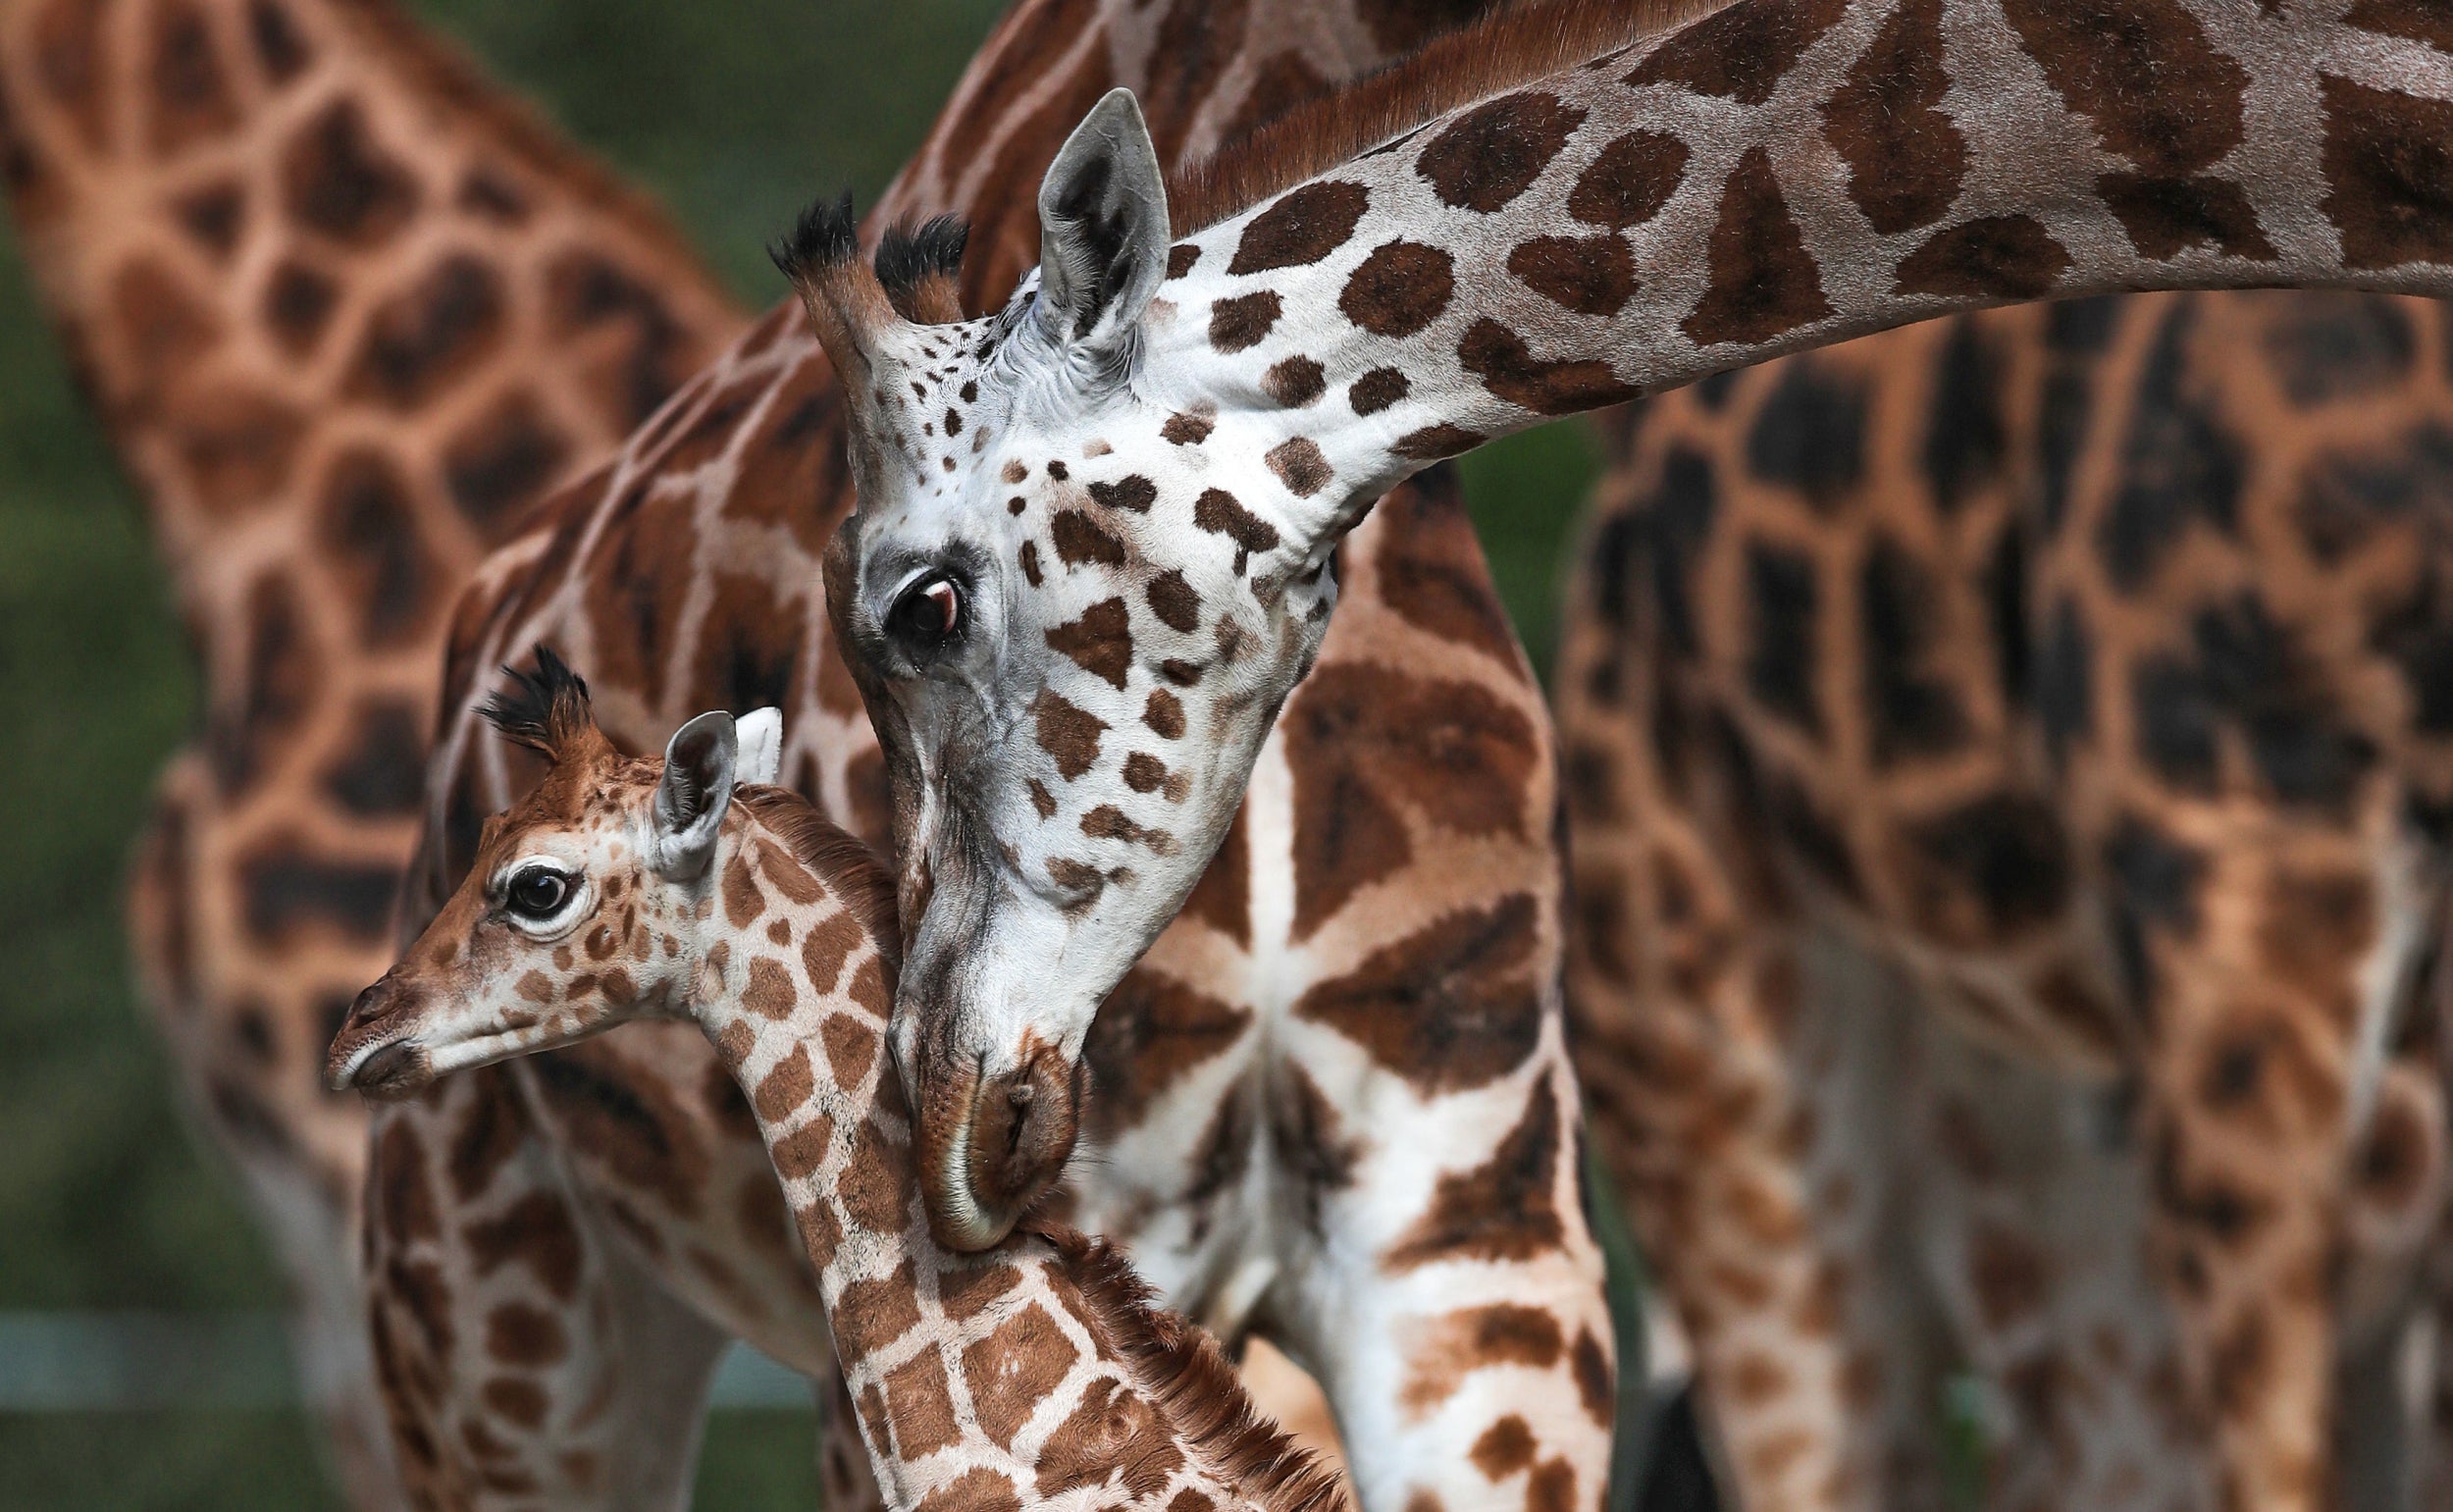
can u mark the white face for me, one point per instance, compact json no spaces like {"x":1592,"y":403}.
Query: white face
{"x":1073,"y":636}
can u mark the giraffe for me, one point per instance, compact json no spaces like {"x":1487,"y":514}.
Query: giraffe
{"x":1336,"y":1110}
{"x":1221,"y":379}
{"x":2009,"y":515}
{"x":691,"y":888}
{"x":348,"y":311}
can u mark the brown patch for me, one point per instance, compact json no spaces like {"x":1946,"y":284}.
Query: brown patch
{"x":1433,"y":443}
{"x":537,"y":1230}
{"x":1377,"y":390}
{"x":1295,"y":382}
{"x":368,"y":522}
{"x":1905,"y":158}
{"x":1310,"y":1144}
{"x":873,"y":1314}
{"x":1177,"y":605}
{"x":1629,"y":180}
{"x":1221,"y":513}
{"x":517,"y":1334}
{"x":337,"y":183}
{"x":826,"y":947}
{"x":1402,"y":287}
{"x":973,"y":1491}
{"x":403,"y":1194}
{"x":964,"y":1293}
{"x":2166,"y":216}
{"x":1505,"y":1210}
{"x":1589,"y":274}
{"x":1080,"y":539}
{"x":1997,"y":257}
{"x":1303,"y":226}
{"x":1764,"y":283}
{"x":1068,"y":734}
{"x":1455,"y":1006}
{"x":1186,"y":430}
{"x":800,"y":1155}
{"x":1454,"y":1345}
{"x":1505,"y":1448}
{"x":1154,"y":1031}
{"x":784,"y":1089}
{"x":1492,"y":153}
{"x":1368,"y":746}
{"x":876,"y":1180}
{"x":503,"y":460}
{"x":1100,"y":642}
{"x":1010,"y":1371}
{"x":1299,"y":465}
{"x":1115,"y":1436}
{"x":1223,"y":898}
{"x":1498,"y":356}
{"x":2010,"y":1280}
{"x":1240,"y":322}
{"x":851,"y":1048}
{"x":1179,"y":261}
{"x":1432,"y":570}
{"x":1131,"y":491}
{"x":1595,"y":1382}
{"x":420,"y":343}
{"x":2421,"y":21}
{"x":297,"y":306}
{"x":213,"y":217}
{"x":1742,"y":52}
{"x":189,"y":95}
{"x":919,"y":1403}
{"x":743,"y":902}
{"x":2390,"y":175}
{"x":2144,"y":71}
{"x":1164,"y":714}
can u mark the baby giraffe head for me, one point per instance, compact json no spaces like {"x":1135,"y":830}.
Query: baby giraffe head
{"x":588,"y":906}
{"x":1073,"y":618}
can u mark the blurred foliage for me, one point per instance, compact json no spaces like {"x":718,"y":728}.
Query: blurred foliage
{"x":733,"y":113}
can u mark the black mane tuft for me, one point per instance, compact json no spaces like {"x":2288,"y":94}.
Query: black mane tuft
{"x":542,"y":710}
{"x":909,"y":254}
{"x":827,"y":235}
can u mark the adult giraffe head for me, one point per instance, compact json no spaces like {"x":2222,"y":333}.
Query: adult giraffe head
{"x":1094,"y":545}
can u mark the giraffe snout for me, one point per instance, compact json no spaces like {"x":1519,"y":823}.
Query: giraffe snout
{"x":1020,"y":1132}
{"x":374,"y":1053}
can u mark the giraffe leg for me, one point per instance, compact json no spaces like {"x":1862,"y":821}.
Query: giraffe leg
{"x":1743,"y":1130}
{"x":526,"y":1358}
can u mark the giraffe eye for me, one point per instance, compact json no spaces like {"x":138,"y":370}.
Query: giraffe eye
{"x":538,"y":892}
{"x":926,"y":619}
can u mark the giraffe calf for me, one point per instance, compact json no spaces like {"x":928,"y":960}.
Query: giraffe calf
{"x":691,"y":888}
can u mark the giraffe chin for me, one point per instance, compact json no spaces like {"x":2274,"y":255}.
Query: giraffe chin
{"x":389,"y":1073}
{"x":992,"y":1146}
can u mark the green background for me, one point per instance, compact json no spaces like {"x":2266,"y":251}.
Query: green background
{"x":734,"y":112}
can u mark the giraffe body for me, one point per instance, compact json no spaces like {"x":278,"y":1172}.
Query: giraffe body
{"x":1035,"y":1376}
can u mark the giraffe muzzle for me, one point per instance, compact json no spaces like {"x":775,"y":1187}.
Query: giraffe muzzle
{"x":374,"y":1054}
{"x":1005,"y":1145}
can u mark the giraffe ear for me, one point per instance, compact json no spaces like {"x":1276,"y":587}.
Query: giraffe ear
{"x":1103,"y":229}
{"x":760,"y":732}
{"x":701,"y":762}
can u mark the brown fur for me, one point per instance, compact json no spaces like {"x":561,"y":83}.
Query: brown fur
{"x":842,"y":860}
{"x":1510,"y":48}
{"x":1183,"y":1370}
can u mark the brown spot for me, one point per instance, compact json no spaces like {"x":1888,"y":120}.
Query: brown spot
{"x":964,"y":1293}
{"x":1013,"y":1368}
{"x":278,"y":44}
{"x":1377,"y":389}
{"x":1221,"y":514}
{"x":1068,"y":734}
{"x":1739,"y":53}
{"x":503,"y":460}
{"x":921,"y":1406}
{"x":1080,"y":539}
{"x":1402,"y":287}
{"x":1100,"y":642}
{"x":1243,"y":322}
{"x":1186,"y":430}
{"x":1433,"y":443}
{"x":1153,"y":1033}
{"x":1997,"y":257}
{"x":420,"y":343}
{"x":517,"y":1334}
{"x":1181,"y":259}
{"x":800,"y":1154}
{"x":1028,"y":557}
{"x":1495,"y":152}
{"x":2421,"y":21}
{"x":827,"y":946}
{"x":973,"y":1491}
{"x":1629,"y":180}
{"x":1455,"y":1006}
{"x":1764,"y":283}
{"x":2166,"y":216}
{"x":403,"y":1197}
{"x":2388,"y":163}
{"x":1115,"y":1436}
{"x":1300,"y":228}
{"x":1500,"y":357}
{"x":1164,"y":714}
{"x":190,"y":96}
{"x":213,"y":216}
{"x":538,"y":1232}
{"x":1223,"y":899}
{"x":337,"y":183}
{"x":297,"y":305}
{"x":873,"y":1314}
{"x":1432,"y":570}
{"x":876,"y":1179}
{"x":2144,"y":71}
{"x":1131,"y":491}
{"x":1176,"y":601}
{"x":1505,"y":1448}
{"x":851,"y":1048}
{"x":1299,"y":465}
{"x":784,"y":1089}
{"x":1454,"y":1345}
{"x":2010,"y":1279}
{"x":369,"y":525}
{"x":1905,"y":158}
{"x":1596,"y":1384}
{"x":1589,"y":274}
{"x":1505,"y":1210}
{"x":1293,"y":382}
{"x":743,"y":902}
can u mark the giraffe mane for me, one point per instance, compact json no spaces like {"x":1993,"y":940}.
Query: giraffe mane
{"x":545,"y":710}
{"x":839,"y":859}
{"x":1186,"y":1375}
{"x":1512,"y":47}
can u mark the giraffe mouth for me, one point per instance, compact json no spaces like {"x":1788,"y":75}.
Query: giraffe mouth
{"x":994,"y":1144}
{"x":387,"y":1072}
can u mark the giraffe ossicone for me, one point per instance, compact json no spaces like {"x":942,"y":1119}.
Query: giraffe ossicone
{"x":621,"y":889}
{"x":1091,"y":557}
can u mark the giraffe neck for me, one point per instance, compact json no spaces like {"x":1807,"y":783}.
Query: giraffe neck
{"x":1785,"y":173}
{"x":1039,"y":1364}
